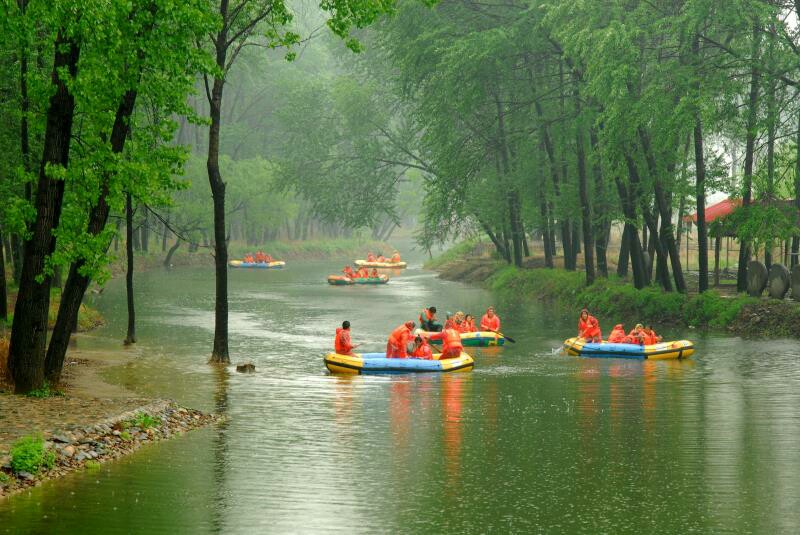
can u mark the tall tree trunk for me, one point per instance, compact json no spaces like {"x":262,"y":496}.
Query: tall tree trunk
{"x":512,"y":195}
{"x":146,"y":230}
{"x":77,"y":283}
{"x":219,"y":352}
{"x":771,"y":119}
{"x":3,"y":290}
{"x":624,"y":254}
{"x":602,"y":224}
{"x":752,"y":123}
{"x":17,"y":253}
{"x":130,"y":338}
{"x":29,"y":330}
{"x":165,"y":235}
{"x":24,"y":101}
{"x":795,"y":256}
{"x":628,"y":198}
{"x":168,"y":258}
{"x":586,"y":208}
{"x":547,"y":232}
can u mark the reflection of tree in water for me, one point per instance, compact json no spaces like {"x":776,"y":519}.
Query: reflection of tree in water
{"x":221,"y":380}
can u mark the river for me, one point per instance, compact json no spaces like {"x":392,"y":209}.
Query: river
{"x":530,"y":441}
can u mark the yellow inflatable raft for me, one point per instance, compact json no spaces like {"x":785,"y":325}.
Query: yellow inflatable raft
{"x":388,"y":265}
{"x":679,"y":349}
{"x":378,"y":363}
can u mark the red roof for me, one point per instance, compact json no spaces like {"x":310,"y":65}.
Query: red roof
{"x":715,"y":211}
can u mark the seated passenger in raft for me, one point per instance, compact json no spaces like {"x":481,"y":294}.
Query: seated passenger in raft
{"x":370,"y":257}
{"x":618,"y":335}
{"x":374,"y":274}
{"x":348,"y":272}
{"x":650,"y":336}
{"x":490,"y":321}
{"x":342,"y":343}
{"x":422,"y":349}
{"x":248,"y":258}
{"x":589,"y":328}
{"x":451,"y":340}
{"x":427,"y":320}
{"x":395,"y":257}
{"x":363,"y":273}
{"x":637,"y":336}
{"x":381,"y":258}
{"x":397,"y":345}
{"x":468,"y":326}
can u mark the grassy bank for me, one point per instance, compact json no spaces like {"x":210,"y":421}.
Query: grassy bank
{"x":617,"y":298}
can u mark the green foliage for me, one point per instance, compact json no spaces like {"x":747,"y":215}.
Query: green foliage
{"x":452,"y":254}
{"x":4,"y":478}
{"x":125,"y":435}
{"x":28,"y":454}
{"x":92,"y":465}
{"x":145,"y":421}
{"x":46,"y":391}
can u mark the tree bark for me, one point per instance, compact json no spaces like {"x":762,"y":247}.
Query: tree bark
{"x":622,"y":260}
{"x":752,"y":122}
{"x":219,"y":352}
{"x":3,"y":290}
{"x":628,"y":198}
{"x":795,"y":256}
{"x":602,"y":226}
{"x":700,"y":190}
{"x":77,"y":283}
{"x":130,"y":338}
{"x":168,"y":258}
{"x":29,"y":330}
{"x":586,"y":208}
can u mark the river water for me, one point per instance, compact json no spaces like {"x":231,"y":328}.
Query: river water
{"x":530,"y":441}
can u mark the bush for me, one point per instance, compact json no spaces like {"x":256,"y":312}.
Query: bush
{"x":28,"y":454}
{"x":145,"y":421}
{"x":4,"y":478}
{"x":44,"y":392}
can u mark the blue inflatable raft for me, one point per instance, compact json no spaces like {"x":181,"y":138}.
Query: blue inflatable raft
{"x":360,"y":363}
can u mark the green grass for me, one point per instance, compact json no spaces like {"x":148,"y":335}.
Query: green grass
{"x":454,"y":253}
{"x":28,"y":454}
{"x":44,"y":392}
{"x":616,"y":298}
{"x":92,"y":465}
{"x":145,"y":421}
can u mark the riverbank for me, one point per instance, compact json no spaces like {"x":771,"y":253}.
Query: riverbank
{"x":89,"y":422}
{"x":741,"y":315}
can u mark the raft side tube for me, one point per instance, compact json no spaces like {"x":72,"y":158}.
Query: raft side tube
{"x":378,"y":363}
{"x":678,"y":349}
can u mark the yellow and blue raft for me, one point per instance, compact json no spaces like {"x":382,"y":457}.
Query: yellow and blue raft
{"x":679,"y":349}
{"x":378,"y":363}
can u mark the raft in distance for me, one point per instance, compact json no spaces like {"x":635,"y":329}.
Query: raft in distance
{"x":364,"y":363}
{"x":679,"y":349}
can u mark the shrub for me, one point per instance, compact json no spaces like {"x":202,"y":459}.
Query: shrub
{"x":4,"y":478}
{"x":126,"y":436}
{"x":145,"y":421}
{"x":28,"y":454}
{"x":44,"y":392}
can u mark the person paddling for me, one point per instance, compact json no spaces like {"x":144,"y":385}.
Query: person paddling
{"x":451,"y":340}
{"x":397,"y":345}
{"x":490,"y":321}
{"x":427,"y":320}
{"x":342,"y":343}
{"x":589,"y":328}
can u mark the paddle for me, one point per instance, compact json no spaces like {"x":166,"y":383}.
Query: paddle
{"x":505,"y":336}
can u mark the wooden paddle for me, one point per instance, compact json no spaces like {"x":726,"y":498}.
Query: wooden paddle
{"x":505,"y":336}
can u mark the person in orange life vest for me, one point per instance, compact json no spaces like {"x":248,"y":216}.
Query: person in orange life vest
{"x":374,"y":274}
{"x":427,"y":320}
{"x":381,"y":258}
{"x":490,"y":321}
{"x":650,"y":336}
{"x":617,"y":335}
{"x":249,"y":259}
{"x":422,"y":349}
{"x":268,"y":258}
{"x":259,"y":256}
{"x":469,"y":324}
{"x":363,"y":272}
{"x":589,"y":327}
{"x":370,"y":257}
{"x":348,"y":272}
{"x":395,"y":257}
{"x":451,"y":340}
{"x":342,"y":343}
{"x":397,"y":345}
{"x":636,"y":336}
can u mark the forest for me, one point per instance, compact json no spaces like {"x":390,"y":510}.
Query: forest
{"x":203,"y":122}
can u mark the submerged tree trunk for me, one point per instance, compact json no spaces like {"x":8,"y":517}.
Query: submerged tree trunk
{"x":130,"y":338}
{"x":29,"y":330}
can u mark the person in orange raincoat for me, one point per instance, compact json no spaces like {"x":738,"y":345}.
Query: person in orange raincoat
{"x":451,"y":340}
{"x":637,"y":336}
{"x":397,"y":345}
{"x":617,"y":335}
{"x":374,"y":274}
{"x":650,"y":336}
{"x":468,"y":326}
{"x":395,"y":257}
{"x":490,"y":321}
{"x":589,"y":328}
{"x":268,"y":258}
{"x":370,"y":257}
{"x":342,"y":343}
{"x":363,"y":272}
{"x":422,"y":349}
{"x":249,"y":259}
{"x":427,"y":320}
{"x":381,"y":258}
{"x":348,"y":272}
